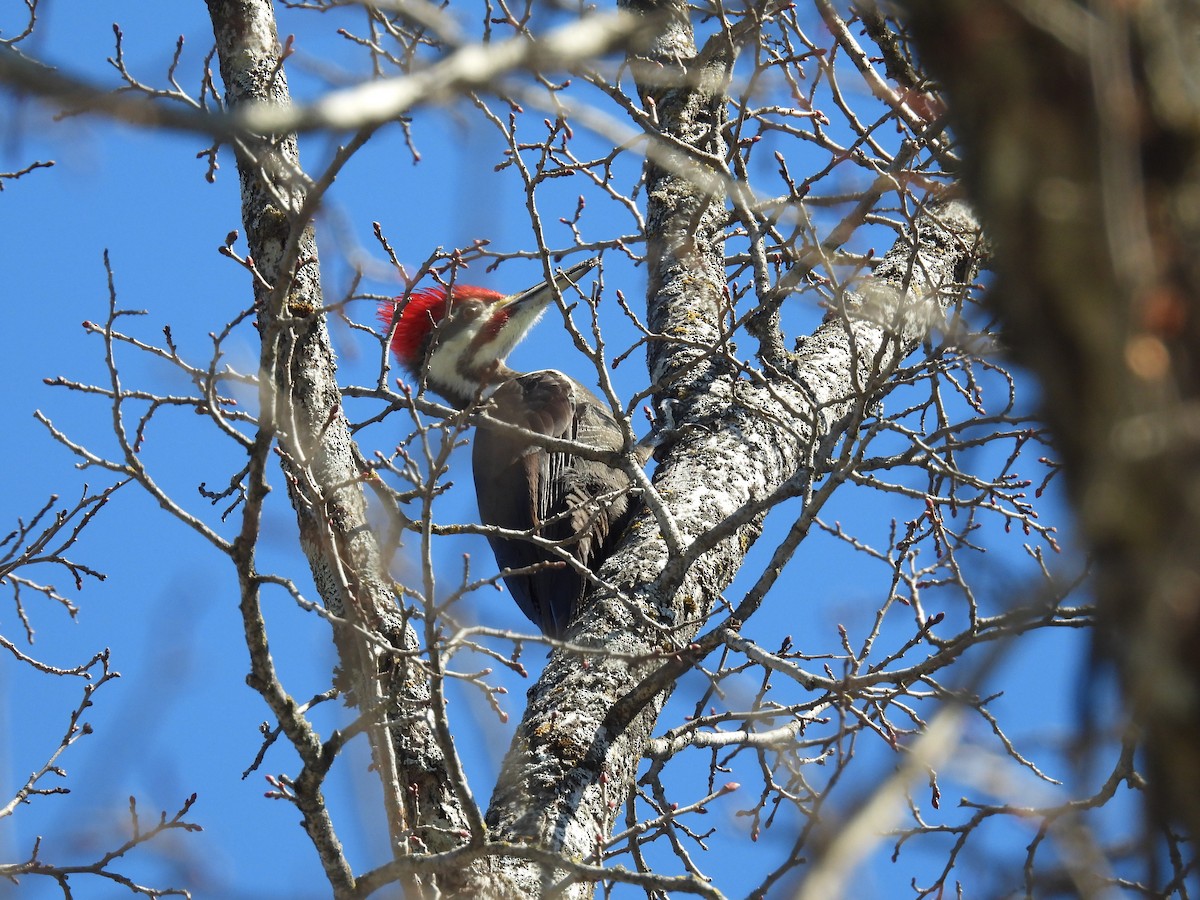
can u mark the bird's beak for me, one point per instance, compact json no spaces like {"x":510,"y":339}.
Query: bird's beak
{"x":543,"y":293}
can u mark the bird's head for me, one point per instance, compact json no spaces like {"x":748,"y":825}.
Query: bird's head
{"x":458,"y":338}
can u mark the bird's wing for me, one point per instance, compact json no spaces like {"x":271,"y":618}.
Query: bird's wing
{"x":595,"y":522}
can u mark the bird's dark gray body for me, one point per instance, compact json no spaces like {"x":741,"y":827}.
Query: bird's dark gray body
{"x":522,"y":486}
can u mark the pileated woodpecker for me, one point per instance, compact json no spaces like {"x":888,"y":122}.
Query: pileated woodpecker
{"x":457,"y":341}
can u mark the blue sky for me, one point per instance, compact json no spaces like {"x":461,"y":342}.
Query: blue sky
{"x":181,"y":718}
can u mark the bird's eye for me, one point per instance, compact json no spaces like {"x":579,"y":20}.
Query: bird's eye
{"x":469,"y":309}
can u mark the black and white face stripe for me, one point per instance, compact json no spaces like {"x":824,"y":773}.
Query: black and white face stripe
{"x":467,"y":350}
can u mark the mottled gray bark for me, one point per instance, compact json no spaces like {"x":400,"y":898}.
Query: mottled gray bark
{"x":586,"y":727}
{"x":300,"y":407}
{"x":577,"y":750}
{"x":1082,"y":143}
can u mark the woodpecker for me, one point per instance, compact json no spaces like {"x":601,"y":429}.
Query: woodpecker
{"x":455,"y":342}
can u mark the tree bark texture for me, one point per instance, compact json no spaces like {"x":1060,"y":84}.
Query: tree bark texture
{"x":1082,"y":142}
{"x":577,"y":750}
{"x":300,"y":402}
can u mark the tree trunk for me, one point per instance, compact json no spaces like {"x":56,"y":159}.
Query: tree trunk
{"x":576,"y":752}
{"x":301,"y":408}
